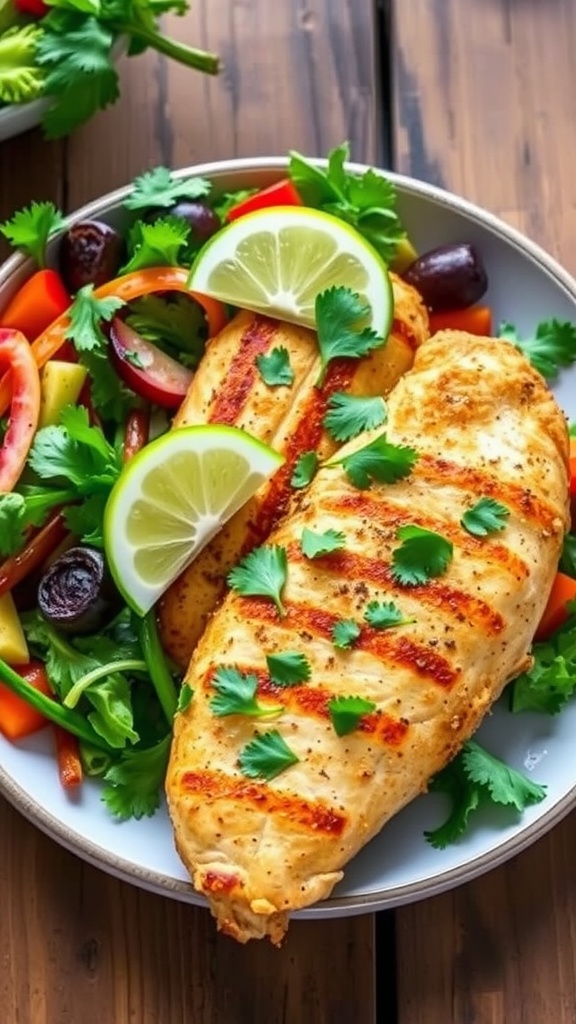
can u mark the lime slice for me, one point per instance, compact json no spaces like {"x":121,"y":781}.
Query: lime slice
{"x":172,"y":498}
{"x":276,"y":261}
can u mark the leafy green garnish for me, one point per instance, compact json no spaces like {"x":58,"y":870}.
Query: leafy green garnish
{"x":378,"y":460}
{"x":346,"y":713}
{"x":568,"y":556}
{"x":344,"y":633}
{"x":185,"y":698}
{"x":422,"y":555}
{"x":133,"y":784}
{"x":21,"y":80}
{"x":551,"y":347}
{"x":87,"y":313}
{"x":236,"y":695}
{"x":30,"y":228}
{"x":475,"y":777}
{"x":266,"y":756}
{"x":159,"y":244}
{"x":551,"y":682}
{"x":158,"y":187}
{"x":486,"y":516}
{"x":305,"y":469}
{"x":367,"y":200}
{"x":341,"y":319}
{"x":384,"y":615}
{"x":174,"y":322}
{"x":288,"y":668}
{"x":315,"y":545}
{"x":262,"y":573}
{"x":275,"y":368}
{"x":350,"y":415}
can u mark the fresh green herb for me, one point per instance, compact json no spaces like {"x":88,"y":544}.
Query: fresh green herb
{"x":305,"y":469}
{"x":341,"y":319}
{"x":262,"y":573}
{"x":315,"y":545}
{"x":367,"y":200}
{"x":108,"y":395}
{"x":175,"y":323}
{"x":344,"y":633}
{"x":552,"y":347}
{"x":157,"y":665}
{"x":472,"y":778}
{"x":486,"y":516}
{"x":266,"y":756}
{"x":382,"y":615}
{"x":87,"y":313}
{"x":378,"y":460}
{"x":275,"y":368}
{"x":159,"y":244}
{"x":347,"y":712}
{"x":288,"y":668}
{"x":21,"y":80}
{"x":422,"y":555}
{"x":30,"y":228}
{"x":236,"y":695}
{"x":551,"y":682}
{"x":350,"y":415}
{"x":568,"y":557}
{"x":222,"y":204}
{"x":158,"y":187}
{"x":133,"y":784}
{"x":185,"y":698}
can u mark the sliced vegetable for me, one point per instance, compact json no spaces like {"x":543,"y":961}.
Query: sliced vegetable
{"x":136,"y":433}
{"x":37,"y":8}
{"x":556,"y":611}
{"x":13,"y":646}
{"x":76,"y":593}
{"x":32,"y":556}
{"x":24,"y":384}
{"x":37,"y":304}
{"x":18,"y":718}
{"x":61,"y":384}
{"x":68,"y":758}
{"x":145,"y":369}
{"x":282,"y":193}
{"x":472,"y":319}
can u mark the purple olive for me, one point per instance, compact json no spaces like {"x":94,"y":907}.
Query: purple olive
{"x":76,"y":593}
{"x":91,"y":252}
{"x":202,"y":220}
{"x":449,"y":277}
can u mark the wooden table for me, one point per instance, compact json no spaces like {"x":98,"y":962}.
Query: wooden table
{"x":478,"y":96}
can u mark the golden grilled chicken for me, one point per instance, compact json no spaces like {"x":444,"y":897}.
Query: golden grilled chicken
{"x":483,"y":425}
{"x":228,"y":388}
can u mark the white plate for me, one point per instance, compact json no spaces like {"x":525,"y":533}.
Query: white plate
{"x":399,"y":866}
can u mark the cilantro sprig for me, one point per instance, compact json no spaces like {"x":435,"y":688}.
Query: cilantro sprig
{"x":422,"y":555}
{"x":551,"y":681}
{"x":305,"y":469}
{"x":385,"y":615}
{"x":266,"y":756}
{"x":344,"y":633}
{"x":341,"y":319}
{"x":549,"y":349}
{"x":350,"y":415}
{"x":236,"y":695}
{"x":486,"y":516}
{"x":288,"y":668}
{"x":262,"y":573}
{"x":346,"y":713}
{"x":159,"y":187}
{"x":379,"y":460}
{"x":275,"y":368}
{"x":30,"y":229}
{"x":315,"y":545}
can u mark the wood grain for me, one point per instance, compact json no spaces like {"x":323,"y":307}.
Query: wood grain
{"x":483,"y":106}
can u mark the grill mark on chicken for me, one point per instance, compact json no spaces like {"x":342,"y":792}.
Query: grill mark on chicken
{"x":393,"y":516}
{"x":230,"y":400}
{"x":307,"y":814}
{"x":389,"y":646}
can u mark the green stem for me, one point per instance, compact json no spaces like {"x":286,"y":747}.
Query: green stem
{"x":124,"y":665}
{"x":157,"y":666}
{"x":69,"y":720}
{"x":187,"y":55}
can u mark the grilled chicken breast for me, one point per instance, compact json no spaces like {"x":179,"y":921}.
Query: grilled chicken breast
{"x":483,"y":424}
{"x":228,"y":388}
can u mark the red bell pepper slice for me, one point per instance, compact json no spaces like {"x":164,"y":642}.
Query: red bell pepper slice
{"x":282,"y":193}
{"x":24,"y":399}
{"x":36,"y":304}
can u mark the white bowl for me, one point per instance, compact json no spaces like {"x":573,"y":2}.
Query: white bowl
{"x":398,"y":866}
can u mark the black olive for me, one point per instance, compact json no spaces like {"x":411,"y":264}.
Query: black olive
{"x":76,"y":593}
{"x":449,"y":277}
{"x":202,"y":220}
{"x":91,"y":252}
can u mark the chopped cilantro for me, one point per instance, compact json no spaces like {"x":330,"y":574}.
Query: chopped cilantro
{"x":159,"y":244}
{"x":132,"y":786}
{"x":86,"y":315}
{"x":305,"y":469}
{"x":349,"y":415}
{"x":236,"y":695}
{"x":341,"y":319}
{"x":422,"y":555}
{"x":344,"y":633}
{"x":275,"y":368}
{"x":262,"y":573}
{"x":314,"y":545}
{"x":486,"y":516}
{"x":378,"y":460}
{"x":382,"y":615}
{"x":30,"y":228}
{"x":266,"y":756}
{"x":346,"y":713}
{"x":159,"y":187}
{"x":288,"y":668}
{"x":551,"y":347}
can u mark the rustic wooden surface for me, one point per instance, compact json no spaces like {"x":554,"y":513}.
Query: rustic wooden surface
{"x":483,"y":105}
{"x":76,"y":946}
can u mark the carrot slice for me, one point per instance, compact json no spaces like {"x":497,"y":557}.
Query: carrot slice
{"x":36,"y":304}
{"x":68,"y":758}
{"x":473,"y":320}
{"x":18,"y":718}
{"x":556,"y":612}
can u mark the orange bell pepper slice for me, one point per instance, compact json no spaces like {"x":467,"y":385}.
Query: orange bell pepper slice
{"x":24,"y":401}
{"x":18,"y":718}
{"x":36,"y":304}
{"x":556,"y":612}
{"x":473,"y":320}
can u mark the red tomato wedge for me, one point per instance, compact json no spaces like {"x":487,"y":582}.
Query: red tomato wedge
{"x":40,"y":301}
{"x":129,"y":287}
{"x":24,"y":400}
{"x":145,"y":369}
{"x":17,"y":717}
{"x":283,"y":193}
{"x":473,"y":320}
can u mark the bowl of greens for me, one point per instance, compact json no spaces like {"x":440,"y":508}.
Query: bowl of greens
{"x":57,"y":61}
{"x":101,"y":295}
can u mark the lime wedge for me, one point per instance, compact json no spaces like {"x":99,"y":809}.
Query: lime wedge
{"x":172,"y":498}
{"x":276,"y":261}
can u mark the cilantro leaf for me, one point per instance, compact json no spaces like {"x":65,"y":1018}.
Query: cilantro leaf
{"x":346,"y":713}
{"x":288,"y":668}
{"x":159,"y":244}
{"x":344,"y":633}
{"x":266,"y":756}
{"x":262,"y":573}
{"x":133,"y":785}
{"x":30,"y":228}
{"x":185,"y":698}
{"x":568,"y":557}
{"x":381,"y":615}
{"x":486,"y":516}
{"x":236,"y":694}
{"x":314,"y":545}
{"x":350,"y":415}
{"x":275,"y":368}
{"x":341,"y":319}
{"x":75,"y":451}
{"x":21,"y":80}
{"x":552,"y":347}
{"x":551,"y":681}
{"x":473,"y":777}
{"x":86,"y":315}
{"x":305,"y":469}
{"x":378,"y":460}
{"x":159,"y":187}
{"x":422,"y":555}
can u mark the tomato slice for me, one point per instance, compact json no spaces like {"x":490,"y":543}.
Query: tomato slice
{"x":283,"y":193}
{"x":16,"y":356}
{"x":145,"y":368}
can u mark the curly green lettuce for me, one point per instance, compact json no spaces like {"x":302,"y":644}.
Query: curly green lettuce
{"x":21,"y":79}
